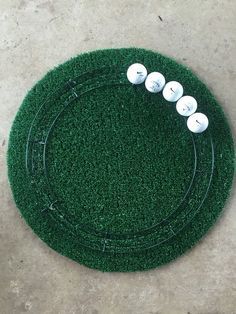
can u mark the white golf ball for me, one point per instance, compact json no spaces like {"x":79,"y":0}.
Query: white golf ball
{"x":197,"y":122}
{"x":155,"y":82}
{"x":137,"y":73}
{"x":173,"y":91}
{"x":186,"y":106}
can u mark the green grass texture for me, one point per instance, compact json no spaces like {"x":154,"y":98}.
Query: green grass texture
{"x":107,"y":173}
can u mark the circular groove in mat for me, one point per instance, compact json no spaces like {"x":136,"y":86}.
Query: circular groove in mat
{"x":107,"y":173}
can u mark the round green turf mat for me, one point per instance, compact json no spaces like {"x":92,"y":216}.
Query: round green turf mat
{"x":107,"y":173}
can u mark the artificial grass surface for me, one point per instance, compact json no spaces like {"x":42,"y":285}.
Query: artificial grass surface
{"x":111,"y":178}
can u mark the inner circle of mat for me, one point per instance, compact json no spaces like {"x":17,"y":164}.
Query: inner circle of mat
{"x":107,"y":173}
{"x":119,"y":162}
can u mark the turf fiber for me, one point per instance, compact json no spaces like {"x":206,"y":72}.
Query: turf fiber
{"x":107,"y":173}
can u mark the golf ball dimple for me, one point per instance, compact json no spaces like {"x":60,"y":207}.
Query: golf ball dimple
{"x":137,"y":73}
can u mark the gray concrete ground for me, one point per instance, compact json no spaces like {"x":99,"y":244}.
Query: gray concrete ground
{"x":35,"y":35}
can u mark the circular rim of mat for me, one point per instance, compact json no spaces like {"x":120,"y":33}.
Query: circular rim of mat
{"x":147,"y":248}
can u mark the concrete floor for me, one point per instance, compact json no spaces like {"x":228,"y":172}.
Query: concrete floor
{"x":35,"y":36}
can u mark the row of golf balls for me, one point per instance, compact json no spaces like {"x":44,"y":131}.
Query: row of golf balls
{"x":172,"y":91}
